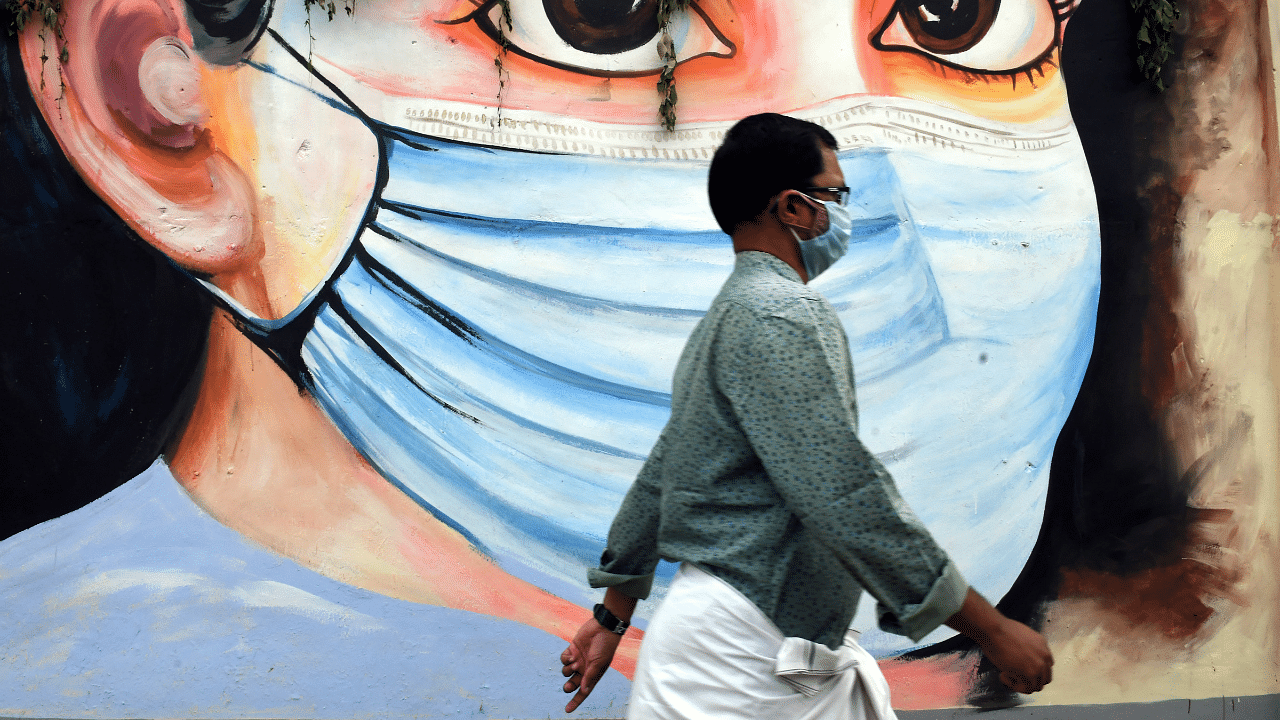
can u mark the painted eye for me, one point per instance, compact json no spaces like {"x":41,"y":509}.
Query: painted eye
{"x":600,"y":37}
{"x":992,"y":36}
{"x":606,"y":27}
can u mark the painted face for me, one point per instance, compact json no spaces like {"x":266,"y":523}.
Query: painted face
{"x":515,"y":293}
{"x":994,"y":60}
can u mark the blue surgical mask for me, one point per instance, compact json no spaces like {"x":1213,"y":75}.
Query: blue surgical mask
{"x":500,"y":337}
{"x":822,"y":251}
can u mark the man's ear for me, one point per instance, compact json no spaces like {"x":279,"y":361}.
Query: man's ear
{"x":793,"y":211}
{"x":126,"y":108}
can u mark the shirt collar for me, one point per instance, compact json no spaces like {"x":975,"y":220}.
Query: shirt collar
{"x":757,"y":260}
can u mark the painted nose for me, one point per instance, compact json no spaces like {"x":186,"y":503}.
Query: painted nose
{"x":821,"y":48}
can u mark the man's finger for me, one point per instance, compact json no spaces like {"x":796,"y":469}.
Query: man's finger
{"x":583,"y":691}
{"x":568,"y":655}
{"x":587,"y":684}
{"x":575,"y":702}
{"x":1017,"y":683}
{"x":571,"y":684}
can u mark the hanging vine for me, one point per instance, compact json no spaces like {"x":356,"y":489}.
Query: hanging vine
{"x":500,"y":59}
{"x":329,"y":7}
{"x":1155,"y":36}
{"x":49,"y":14}
{"x":667,"y":54}
{"x":331,"y":10}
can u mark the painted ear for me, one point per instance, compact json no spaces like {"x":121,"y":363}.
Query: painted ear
{"x":126,"y":108}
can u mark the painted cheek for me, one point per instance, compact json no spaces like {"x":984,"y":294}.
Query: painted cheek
{"x":868,"y":17}
{"x":763,"y":50}
{"x":1023,"y":98}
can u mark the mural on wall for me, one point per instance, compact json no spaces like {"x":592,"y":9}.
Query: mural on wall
{"x":405,"y":323}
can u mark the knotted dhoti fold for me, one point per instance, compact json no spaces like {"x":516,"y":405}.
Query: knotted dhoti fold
{"x":710,"y":653}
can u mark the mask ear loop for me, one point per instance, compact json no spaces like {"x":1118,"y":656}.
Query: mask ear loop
{"x":347,"y":102}
{"x":282,"y":338}
{"x":773,"y":208}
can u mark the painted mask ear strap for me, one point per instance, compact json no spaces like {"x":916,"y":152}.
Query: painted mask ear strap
{"x":282,"y":338}
{"x":311,"y":69}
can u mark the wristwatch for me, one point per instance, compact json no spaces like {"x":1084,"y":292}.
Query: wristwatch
{"x":609,"y":621}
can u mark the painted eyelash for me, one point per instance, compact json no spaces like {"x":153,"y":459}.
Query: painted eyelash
{"x":969,"y":77}
{"x":477,"y":12}
{"x":1062,"y":10}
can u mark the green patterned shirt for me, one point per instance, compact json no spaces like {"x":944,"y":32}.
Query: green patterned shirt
{"x":759,"y":476}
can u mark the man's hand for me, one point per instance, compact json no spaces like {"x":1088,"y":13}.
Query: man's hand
{"x":586,"y":659}
{"x":1021,"y":654}
{"x":592,"y":649}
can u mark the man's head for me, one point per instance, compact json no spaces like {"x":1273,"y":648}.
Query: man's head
{"x":761,"y":156}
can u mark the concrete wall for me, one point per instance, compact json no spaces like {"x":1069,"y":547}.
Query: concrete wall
{"x":400,"y":321}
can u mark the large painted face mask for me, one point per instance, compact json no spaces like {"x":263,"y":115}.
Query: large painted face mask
{"x":500,"y":336}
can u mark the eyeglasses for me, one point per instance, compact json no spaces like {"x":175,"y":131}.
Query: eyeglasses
{"x":841,"y":193}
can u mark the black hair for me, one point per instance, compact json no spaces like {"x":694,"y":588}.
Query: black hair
{"x":761,"y":156}
{"x":101,"y":335}
{"x":224,"y":31}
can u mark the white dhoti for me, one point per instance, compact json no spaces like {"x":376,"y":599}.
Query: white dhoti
{"x":709,"y":652}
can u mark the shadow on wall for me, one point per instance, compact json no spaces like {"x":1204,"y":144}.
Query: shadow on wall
{"x":1258,"y":707}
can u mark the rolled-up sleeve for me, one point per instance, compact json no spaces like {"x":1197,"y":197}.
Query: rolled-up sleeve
{"x":917,"y":620}
{"x":784,"y":380}
{"x":631,"y":555}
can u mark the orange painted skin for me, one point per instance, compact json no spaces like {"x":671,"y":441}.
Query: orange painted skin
{"x":262,"y":457}
{"x":300,"y":489}
{"x":935,"y":682}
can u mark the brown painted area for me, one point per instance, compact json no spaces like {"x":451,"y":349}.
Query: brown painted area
{"x":1162,"y":335}
{"x":1188,"y":134}
{"x":1168,"y":597}
{"x":1173,"y":599}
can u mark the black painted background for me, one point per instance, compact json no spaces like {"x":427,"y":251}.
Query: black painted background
{"x":99,"y":334}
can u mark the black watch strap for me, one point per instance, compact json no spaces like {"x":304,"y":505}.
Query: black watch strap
{"x":609,"y":621}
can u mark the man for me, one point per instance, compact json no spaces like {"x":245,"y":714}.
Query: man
{"x":760,"y":486}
